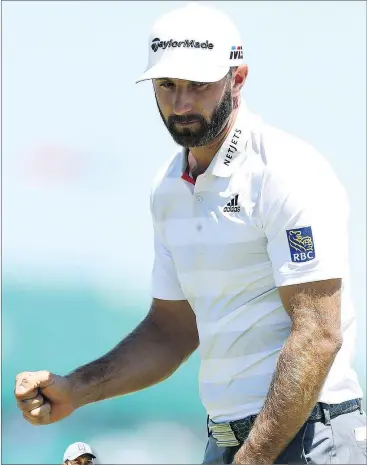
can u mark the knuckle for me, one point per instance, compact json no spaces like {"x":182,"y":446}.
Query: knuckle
{"x":30,"y":404}
{"x":34,"y":401}
{"x":21,"y":375}
{"x":18,"y":395}
{"x":38,"y":401}
{"x":23,"y":381}
{"x":35,"y":413}
{"x":41,"y":411}
{"x":26,"y":394}
{"x":45,"y":375}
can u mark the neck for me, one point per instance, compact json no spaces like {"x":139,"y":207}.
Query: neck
{"x":201,"y":157}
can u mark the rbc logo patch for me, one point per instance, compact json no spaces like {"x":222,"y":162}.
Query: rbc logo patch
{"x":301,"y":244}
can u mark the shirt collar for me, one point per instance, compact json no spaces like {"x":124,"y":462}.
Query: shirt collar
{"x":232,"y":150}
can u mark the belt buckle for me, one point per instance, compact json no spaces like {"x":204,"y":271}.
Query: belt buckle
{"x":223,"y":434}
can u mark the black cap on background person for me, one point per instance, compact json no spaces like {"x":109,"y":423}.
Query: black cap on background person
{"x":79,"y":453}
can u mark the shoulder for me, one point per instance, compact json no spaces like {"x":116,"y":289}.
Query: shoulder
{"x":290,"y":162}
{"x":282,"y":150}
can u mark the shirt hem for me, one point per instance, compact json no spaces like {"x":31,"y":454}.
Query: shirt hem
{"x":330,"y":400}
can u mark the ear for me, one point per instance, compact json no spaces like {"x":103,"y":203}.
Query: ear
{"x":239,"y":78}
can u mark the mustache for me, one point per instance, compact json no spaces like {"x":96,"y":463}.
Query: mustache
{"x":185,"y":119}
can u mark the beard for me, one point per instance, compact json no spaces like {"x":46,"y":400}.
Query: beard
{"x":206,"y":131}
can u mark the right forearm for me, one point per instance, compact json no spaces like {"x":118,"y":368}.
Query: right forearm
{"x":144,"y":358}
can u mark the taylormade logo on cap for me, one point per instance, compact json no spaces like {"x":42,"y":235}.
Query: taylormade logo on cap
{"x":158,"y":43}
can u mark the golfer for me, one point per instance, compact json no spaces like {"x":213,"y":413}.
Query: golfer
{"x":251,"y":268}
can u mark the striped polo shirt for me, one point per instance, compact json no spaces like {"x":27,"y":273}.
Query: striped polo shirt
{"x":268,"y":212}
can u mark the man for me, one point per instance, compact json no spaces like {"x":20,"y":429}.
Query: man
{"x":251,"y":259}
{"x":78,"y":453}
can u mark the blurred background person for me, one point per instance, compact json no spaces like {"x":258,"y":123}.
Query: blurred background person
{"x":79,"y":453}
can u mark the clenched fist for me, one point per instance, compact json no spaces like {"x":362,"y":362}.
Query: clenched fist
{"x":43,"y":397}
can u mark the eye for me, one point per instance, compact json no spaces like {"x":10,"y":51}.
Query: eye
{"x":166,"y":85}
{"x":199,"y":85}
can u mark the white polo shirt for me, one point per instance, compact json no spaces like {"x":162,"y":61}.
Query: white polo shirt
{"x":268,"y":212}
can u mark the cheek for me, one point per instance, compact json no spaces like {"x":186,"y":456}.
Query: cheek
{"x":208,"y":103}
{"x":164,"y":103}
{"x":163,"y":98}
{"x":207,"y":109}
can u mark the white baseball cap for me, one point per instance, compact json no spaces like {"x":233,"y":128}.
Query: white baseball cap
{"x":195,"y":43}
{"x":76,"y":450}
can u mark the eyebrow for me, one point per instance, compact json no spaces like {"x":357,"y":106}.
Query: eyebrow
{"x":164,"y":79}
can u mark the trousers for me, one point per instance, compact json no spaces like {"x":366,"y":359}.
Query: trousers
{"x":323,"y":439}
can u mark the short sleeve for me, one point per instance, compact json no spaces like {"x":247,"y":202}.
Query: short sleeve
{"x":306,"y":225}
{"x":164,"y":280}
{"x":165,"y":284}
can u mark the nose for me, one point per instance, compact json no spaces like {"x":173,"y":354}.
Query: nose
{"x":182,"y":101}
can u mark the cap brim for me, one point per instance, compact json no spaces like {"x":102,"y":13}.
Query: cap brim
{"x":187,"y":73}
{"x":75,"y":456}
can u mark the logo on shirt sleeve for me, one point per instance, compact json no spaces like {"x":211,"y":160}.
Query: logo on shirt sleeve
{"x":301,"y":244}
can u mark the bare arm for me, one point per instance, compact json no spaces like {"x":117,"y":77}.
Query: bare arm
{"x":151,"y":353}
{"x":302,"y":367}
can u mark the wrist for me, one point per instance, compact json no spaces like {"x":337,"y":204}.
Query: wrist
{"x":248,"y":454}
{"x":77,"y":390}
